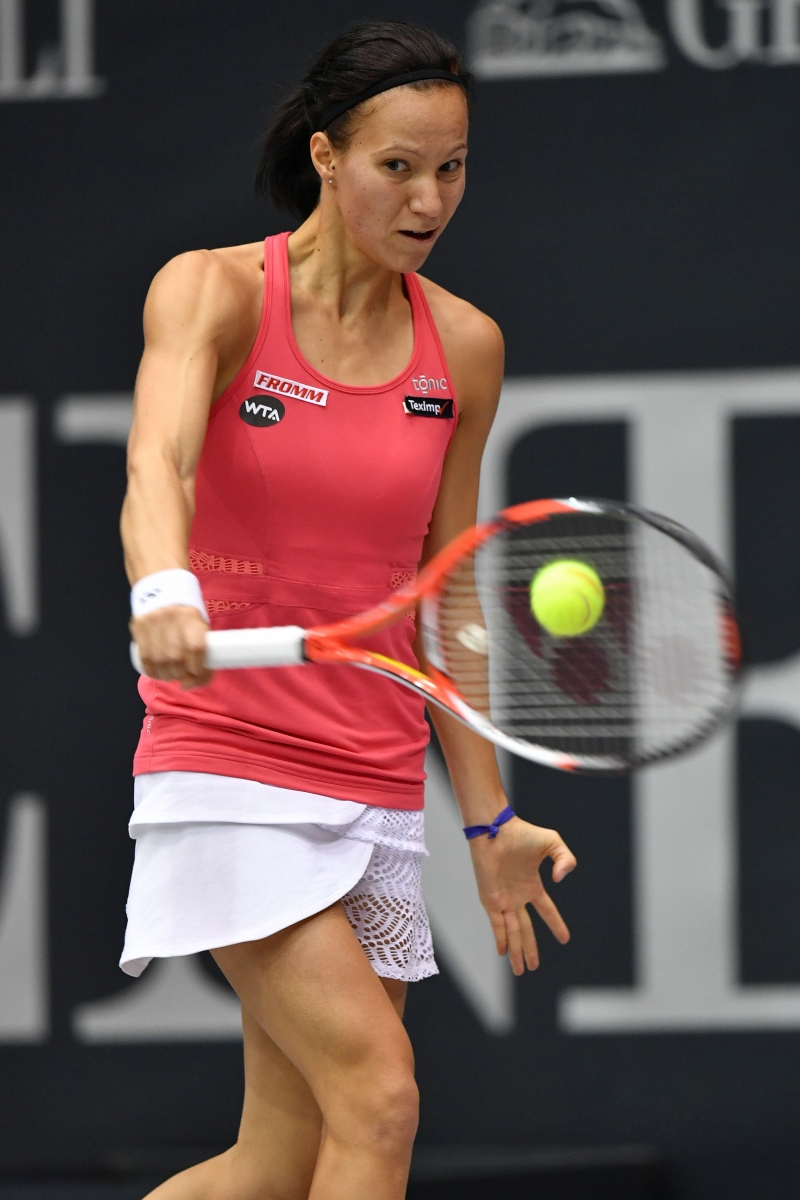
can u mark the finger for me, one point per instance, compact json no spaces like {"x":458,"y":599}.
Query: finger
{"x":194,"y":681}
{"x":551,"y":917}
{"x":195,"y":672}
{"x":530,"y":949}
{"x":159,"y":666}
{"x":564,"y":860}
{"x":196,"y":654}
{"x":499,"y":931}
{"x":162,"y":653}
{"x":514,"y":935}
{"x":171,"y":664}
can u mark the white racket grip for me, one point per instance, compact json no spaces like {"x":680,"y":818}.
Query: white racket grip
{"x":226,"y":649}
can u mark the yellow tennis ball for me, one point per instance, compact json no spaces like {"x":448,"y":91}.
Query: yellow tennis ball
{"x":567,"y":597}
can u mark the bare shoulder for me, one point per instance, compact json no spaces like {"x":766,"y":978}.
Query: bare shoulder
{"x":467,"y":333}
{"x":202,"y":294}
{"x":472,"y":342}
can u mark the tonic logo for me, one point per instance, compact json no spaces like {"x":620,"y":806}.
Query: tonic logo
{"x":422,"y":384}
{"x":417,"y":407}
{"x":289,"y":387}
{"x":261,"y":413}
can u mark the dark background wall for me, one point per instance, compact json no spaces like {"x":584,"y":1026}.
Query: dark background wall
{"x":631,"y":222}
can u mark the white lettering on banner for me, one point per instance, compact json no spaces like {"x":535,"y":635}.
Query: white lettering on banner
{"x":685,"y":853}
{"x":289,"y":387}
{"x":19,"y":557}
{"x":99,"y":418}
{"x":24,"y":982}
{"x":174,"y":1001}
{"x":461,"y":930}
{"x":746,"y":40}
{"x":62,"y":72}
{"x":512,"y":39}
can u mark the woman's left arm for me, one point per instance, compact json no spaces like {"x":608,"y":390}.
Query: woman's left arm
{"x":506,"y":867}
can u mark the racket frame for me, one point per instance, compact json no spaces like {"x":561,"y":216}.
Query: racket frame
{"x":333,"y":643}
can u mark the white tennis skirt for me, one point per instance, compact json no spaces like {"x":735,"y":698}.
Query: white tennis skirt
{"x":222,"y":860}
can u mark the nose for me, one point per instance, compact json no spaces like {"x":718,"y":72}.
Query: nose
{"x":426,"y":200}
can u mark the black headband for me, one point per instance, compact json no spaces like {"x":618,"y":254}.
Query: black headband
{"x":384,"y":85}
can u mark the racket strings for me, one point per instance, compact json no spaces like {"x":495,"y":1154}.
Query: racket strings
{"x":651,"y":676}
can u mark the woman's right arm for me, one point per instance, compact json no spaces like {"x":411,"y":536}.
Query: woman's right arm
{"x":188,"y":315}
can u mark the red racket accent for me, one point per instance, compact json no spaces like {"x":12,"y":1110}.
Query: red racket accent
{"x":731,"y":638}
{"x":533,"y":511}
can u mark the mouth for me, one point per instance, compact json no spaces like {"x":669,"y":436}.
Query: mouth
{"x":419,"y":235}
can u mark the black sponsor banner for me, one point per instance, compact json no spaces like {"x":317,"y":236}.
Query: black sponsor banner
{"x":440,"y":407}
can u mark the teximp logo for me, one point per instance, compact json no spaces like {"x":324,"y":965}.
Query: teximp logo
{"x":417,"y":407}
{"x":261,"y":413}
{"x":289,"y":387}
{"x":422,"y":384}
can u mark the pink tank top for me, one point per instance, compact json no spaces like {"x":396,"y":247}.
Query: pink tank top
{"x":312,"y":503}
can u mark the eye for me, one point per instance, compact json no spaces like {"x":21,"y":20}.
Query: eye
{"x":450,"y":166}
{"x":395,"y":165}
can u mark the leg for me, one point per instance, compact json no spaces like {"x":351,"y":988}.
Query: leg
{"x":313,"y":991}
{"x":279,"y":1135}
{"x":396,"y":991}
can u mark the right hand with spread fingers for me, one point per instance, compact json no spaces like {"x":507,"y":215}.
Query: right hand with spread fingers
{"x":507,"y":871}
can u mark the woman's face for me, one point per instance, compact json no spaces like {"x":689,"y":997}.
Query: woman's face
{"x":402,"y":175}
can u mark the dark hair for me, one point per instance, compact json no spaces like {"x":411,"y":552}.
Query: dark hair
{"x":362,"y":56}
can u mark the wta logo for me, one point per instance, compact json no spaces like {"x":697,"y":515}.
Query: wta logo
{"x":261,"y":413}
{"x":289,"y":387}
{"x":415,"y":406}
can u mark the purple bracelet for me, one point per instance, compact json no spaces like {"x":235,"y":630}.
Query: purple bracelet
{"x":473,"y":831}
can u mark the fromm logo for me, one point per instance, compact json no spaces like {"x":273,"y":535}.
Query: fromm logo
{"x":288,"y":387}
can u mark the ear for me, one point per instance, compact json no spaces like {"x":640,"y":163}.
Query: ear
{"x":322,"y":154}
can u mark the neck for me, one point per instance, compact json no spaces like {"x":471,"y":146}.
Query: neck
{"x":327,"y":267}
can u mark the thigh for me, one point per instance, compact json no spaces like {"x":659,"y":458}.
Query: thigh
{"x":396,"y":991}
{"x":313,"y":992}
{"x":281,"y":1123}
{"x":279,"y":1135}
{"x":277,"y":1097}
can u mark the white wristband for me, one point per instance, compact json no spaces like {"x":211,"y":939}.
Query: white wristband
{"x":164,"y":588}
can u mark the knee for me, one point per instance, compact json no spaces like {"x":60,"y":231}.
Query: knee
{"x":383,"y":1112}
{"x":390,"y":1111}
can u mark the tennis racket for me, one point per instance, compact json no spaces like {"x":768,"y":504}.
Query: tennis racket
{"x":654,"y":677}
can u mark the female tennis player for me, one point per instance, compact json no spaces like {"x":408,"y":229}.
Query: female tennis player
{"x":309,"y":423}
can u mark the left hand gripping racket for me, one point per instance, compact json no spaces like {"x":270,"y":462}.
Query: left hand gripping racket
{"x":654,"y":677}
